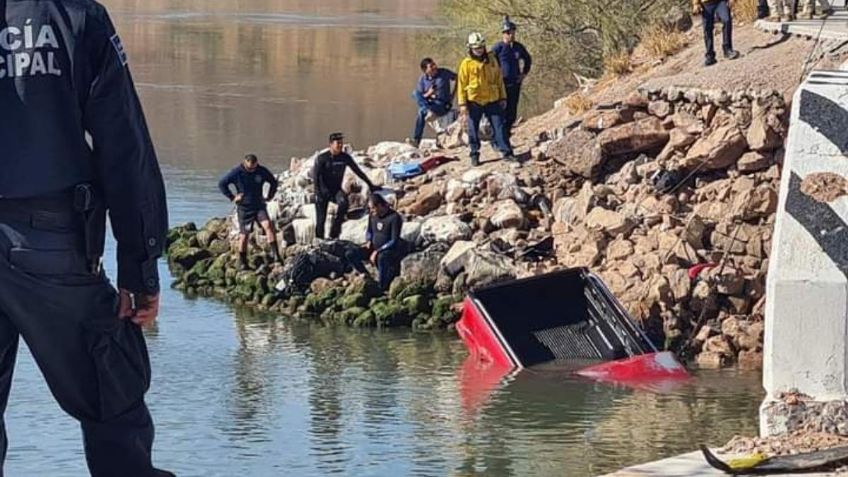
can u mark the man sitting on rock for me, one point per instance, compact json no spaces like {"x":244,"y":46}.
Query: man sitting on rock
{"x":249,"y":178}
{"x":385,"y":248}
{"x":433,"y":95}
{"x":327,"y":176}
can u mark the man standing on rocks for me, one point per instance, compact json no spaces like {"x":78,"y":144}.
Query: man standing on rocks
{"x":515,"y":64}
{"x":327,"y":176}
{"x":480,"y":91}
{"x":433,"y":95}
{"x":709,"y":9}
{"x":249,"y":179}
{"x":76,"y":145}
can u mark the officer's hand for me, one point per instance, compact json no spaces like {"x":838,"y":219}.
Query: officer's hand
{"x":373,"y":257}
{"x":463,"y":110}
{"x":238,"y":198}
{"x":697,"y":8}
{"x":143,"y":312}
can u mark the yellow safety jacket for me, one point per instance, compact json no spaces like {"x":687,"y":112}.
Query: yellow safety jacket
{"x":480,"y":82}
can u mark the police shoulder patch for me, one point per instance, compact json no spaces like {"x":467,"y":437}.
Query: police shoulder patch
{"x":119,"y":49}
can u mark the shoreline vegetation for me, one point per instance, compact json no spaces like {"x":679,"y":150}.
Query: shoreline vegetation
{"x":668,"y":194}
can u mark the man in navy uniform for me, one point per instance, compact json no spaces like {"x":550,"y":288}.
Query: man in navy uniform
{"x":249,"y":179}
{"x":327,"y":177}
{"x":515,"y":64}
{"x":64,"y":76}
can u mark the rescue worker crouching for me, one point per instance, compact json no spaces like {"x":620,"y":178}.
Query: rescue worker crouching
{"x":480,"y":91}
{"x":249,"y":179}
{"x":55,"y":190}
{"x":327,"y":176}
{"x":385,"y":248}
{"x":433,"y":96}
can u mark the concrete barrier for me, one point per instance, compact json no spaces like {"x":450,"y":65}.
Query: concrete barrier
{"x":806,"y":338}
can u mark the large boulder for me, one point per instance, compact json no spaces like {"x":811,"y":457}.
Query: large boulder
{"x":423,"y":265}
{"x":764,"y":132}
{"x":719,"y":149}
{"x":410,"y":231}
{"x":507,"y":214}
{"x":600,"y":119}
{"x":643,"y":135}
{"x":355,"y":230}
{"x":446,"y":228}
{"x":457,"y":257}
{"x":391,"y":149}
{"x":486,"y":268}
{"x":608,"y":221}
{"x":572,"y":210}
{"x":579,"y":153}
{"x":429,"y":198}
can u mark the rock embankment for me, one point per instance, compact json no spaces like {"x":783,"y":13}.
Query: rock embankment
{"x":669,"y":195}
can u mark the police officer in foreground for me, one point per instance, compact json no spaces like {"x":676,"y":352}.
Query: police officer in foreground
{"x":249,"y":179}
{"x":327,"y":176}
{"x":64,"y":75}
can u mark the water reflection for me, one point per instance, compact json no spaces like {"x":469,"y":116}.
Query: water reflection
{"x":273,"y":78}
{"x":400,"y":403}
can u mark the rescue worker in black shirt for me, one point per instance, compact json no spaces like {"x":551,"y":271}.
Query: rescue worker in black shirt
{"x":64,"y":76}
{"x":249,"y":179}
{"x":385,"y":248}
{"x":327,"y":176}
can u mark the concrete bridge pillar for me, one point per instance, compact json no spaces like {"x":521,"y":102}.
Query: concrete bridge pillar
{"x":806,"y":337}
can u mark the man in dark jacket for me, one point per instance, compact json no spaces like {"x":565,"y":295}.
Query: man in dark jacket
{"x":327,"y":176}
{"x":433,"y":95}
{"x":63,"y":77}
{"x":385,"y":248}
{"x":709,"y":10}
{"x":249,"y":180}
{"x":515,"y":64}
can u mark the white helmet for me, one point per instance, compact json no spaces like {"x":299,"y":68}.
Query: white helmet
{"x":476,"y":40}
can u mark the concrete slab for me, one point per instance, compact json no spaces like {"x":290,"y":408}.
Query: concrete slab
{"x":834,"y":27}
{"x":686,"y":465}
{"x":806,"y":336}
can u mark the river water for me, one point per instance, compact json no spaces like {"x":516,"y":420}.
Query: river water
{"x":235,"y":393}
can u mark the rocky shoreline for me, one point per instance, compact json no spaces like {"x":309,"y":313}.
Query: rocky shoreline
{"x":669,"y":195}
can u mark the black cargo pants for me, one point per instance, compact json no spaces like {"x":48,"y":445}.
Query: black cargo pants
{"x":95,"y":364}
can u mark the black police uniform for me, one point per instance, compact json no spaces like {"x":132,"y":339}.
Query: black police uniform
{"x":327,"y":175}
{"x":63,"y":74}
{"x":251,"y":208}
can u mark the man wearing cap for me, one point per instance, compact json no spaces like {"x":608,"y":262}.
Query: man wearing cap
{"x":327,"y":176}
{"x":515,"y":64}
{"x":249,"y":179}
{"x":480,"y":91}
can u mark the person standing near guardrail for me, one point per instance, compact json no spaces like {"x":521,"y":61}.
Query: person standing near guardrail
{"x":709,"y":10}
{"x":808,"y":12}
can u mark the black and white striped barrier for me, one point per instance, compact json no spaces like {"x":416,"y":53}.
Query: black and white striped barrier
{"x":806,"y":338}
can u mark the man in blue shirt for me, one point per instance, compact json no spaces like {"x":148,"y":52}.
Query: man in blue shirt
{"x":433,"y":95}
{"x":249,"y":179}
{"x":515,"y":64}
